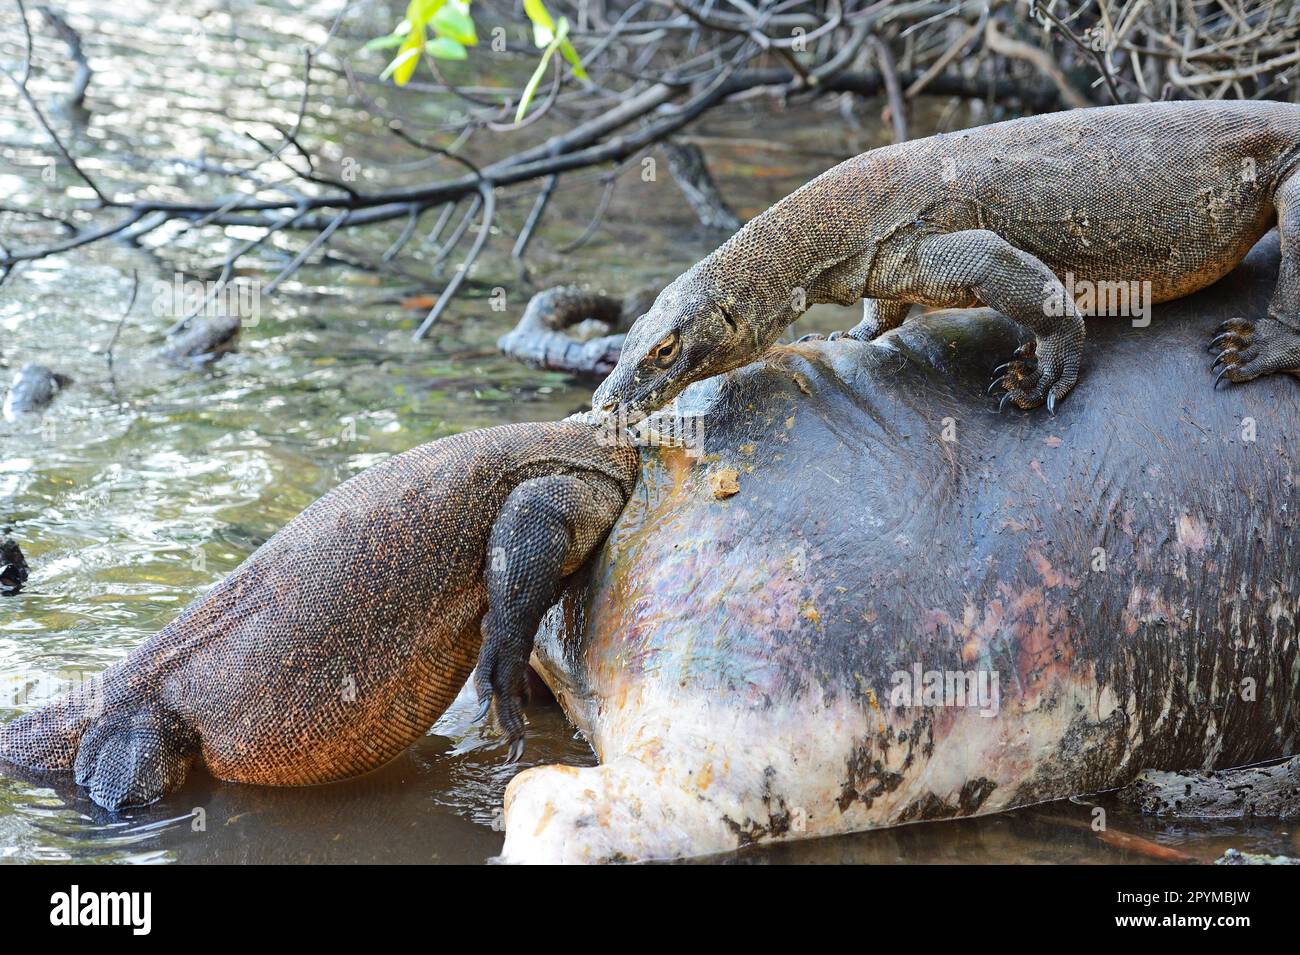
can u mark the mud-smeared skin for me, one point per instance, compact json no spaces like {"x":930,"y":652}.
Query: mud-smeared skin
{"x":342,"y":639}
{"x":732,"y":660}
{"x":1170,"y":193}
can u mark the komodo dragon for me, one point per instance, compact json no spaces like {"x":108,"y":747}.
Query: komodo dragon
{"x":1173,"y":194}
{"x":340,"y":641}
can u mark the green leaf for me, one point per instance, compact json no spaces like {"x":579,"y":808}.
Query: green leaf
{"x":419,"y":12}
{"x":403,"y":66}
{"x":569,"y":53}
{"x":557,"y":42}
{"x":445,"y":48}
{"x":533,"y":82}
{"x":454,"y":23}
{"x":543,"y":25}
{"x":385,"y":42}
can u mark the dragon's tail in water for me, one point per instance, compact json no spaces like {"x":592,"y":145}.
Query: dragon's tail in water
{"x":126,"y":754}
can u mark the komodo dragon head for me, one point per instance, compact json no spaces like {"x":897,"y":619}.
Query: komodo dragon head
{"x":692,"y":331}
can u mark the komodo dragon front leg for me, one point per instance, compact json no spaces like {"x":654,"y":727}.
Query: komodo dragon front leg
{"x":979,"y":267}
{"x":546,"y":530}
{"x":1248,"y":349}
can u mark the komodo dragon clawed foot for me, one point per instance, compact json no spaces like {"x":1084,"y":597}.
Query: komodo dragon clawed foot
{"x":1011,"y":374}
{"x":1023,"y":380}
{"x":1250,"y":349}
{"x":877,"y":318}
{"x":819,"y":337}
{"x":1041,"y":371}
{"x":547,"y":528}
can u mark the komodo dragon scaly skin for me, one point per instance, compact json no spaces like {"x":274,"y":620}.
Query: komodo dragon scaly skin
{"x":1174,"y":194}
{"x":344,"y":637}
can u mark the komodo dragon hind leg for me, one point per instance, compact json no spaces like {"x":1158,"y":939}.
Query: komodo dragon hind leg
{"x":954,"y":269}
{"x":546,"y":529}
{"x":133,"y":756}
{"x":1249,"y":349}
{"x":878,"y":317}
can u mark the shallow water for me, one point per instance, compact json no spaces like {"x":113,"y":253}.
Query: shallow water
{"x":144,"y":484}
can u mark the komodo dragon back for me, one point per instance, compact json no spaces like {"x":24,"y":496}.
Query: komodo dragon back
{"x":1032,"y":217}
{"x":343,"y":638}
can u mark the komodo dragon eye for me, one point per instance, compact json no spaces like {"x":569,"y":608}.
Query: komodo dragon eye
{"x":665,"y":353}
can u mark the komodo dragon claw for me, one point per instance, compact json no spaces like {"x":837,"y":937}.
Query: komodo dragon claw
{"x":1232,"y":338}
{"x":1248,"y":349}
{"x":1237,"y":325}
{"x":1010,"y":375}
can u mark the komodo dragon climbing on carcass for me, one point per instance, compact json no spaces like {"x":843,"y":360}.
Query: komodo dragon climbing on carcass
{"x":1173,"y":194}
{"x":342,"y":639}
{"x":910,"y":609}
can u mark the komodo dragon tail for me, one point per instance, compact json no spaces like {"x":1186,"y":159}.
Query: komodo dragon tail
{"x":126,"y":755}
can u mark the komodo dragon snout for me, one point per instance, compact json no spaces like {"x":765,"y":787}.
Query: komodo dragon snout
{"x":296,"y":670}
{"x":692,"y":331}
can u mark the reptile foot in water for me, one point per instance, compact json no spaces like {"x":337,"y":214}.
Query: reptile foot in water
{"x":134,"y":755}
{"x":1250,"y":349}
{"x":504,"y":691}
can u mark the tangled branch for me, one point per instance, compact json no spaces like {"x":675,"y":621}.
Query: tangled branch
{"x":650,"y":69}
